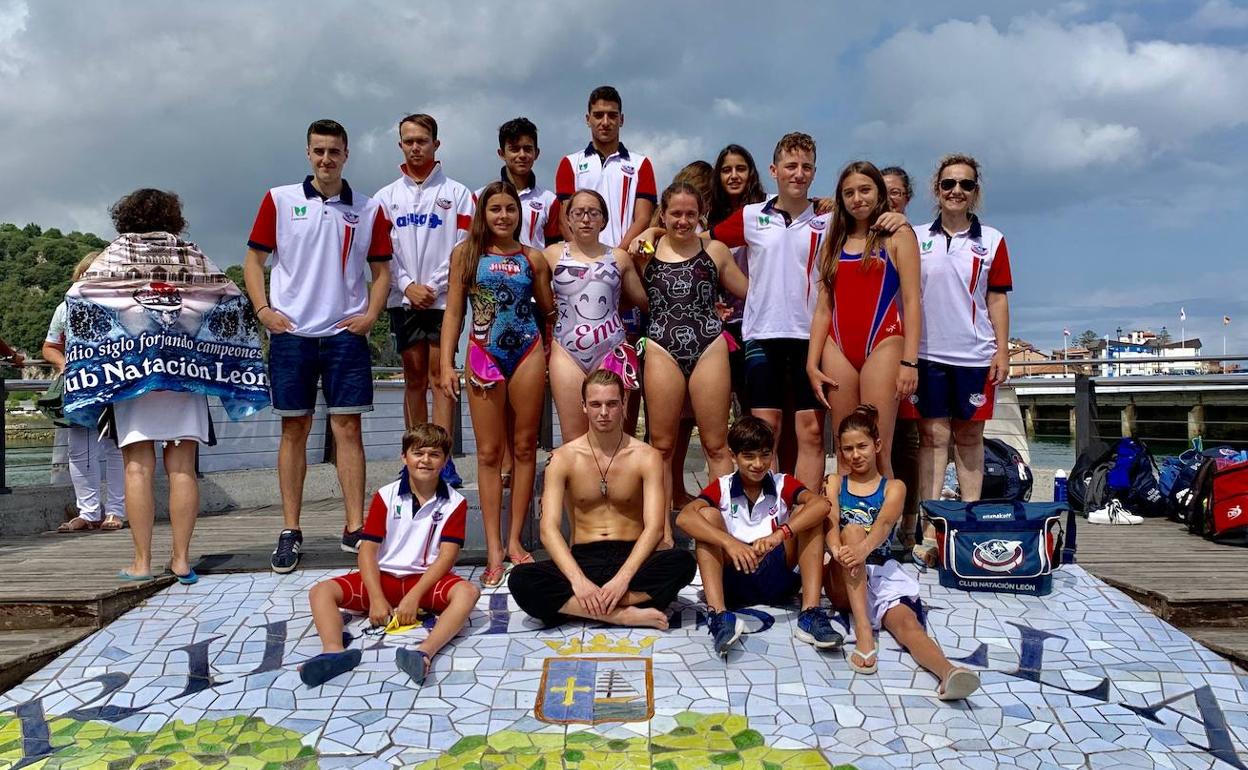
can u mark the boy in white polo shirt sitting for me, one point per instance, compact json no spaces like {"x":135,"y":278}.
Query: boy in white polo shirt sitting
{"x":411,"y":539}
{"x":752,"y":528}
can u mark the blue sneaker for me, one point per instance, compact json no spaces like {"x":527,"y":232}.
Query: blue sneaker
{"x":726,"y":628}
{"x":450,"y":475}
{"x":318,"y":670}
{"x":813,"y":627}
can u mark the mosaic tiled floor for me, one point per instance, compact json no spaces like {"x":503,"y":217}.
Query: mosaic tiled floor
{"x":204,"y":676}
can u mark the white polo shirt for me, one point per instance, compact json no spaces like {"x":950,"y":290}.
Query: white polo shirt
{"x":410,"y":536}
{"x":430,"y":218}
{"x":958,"y":271}
{"x":747,"y":521}
{"x":539,"y":211}
{"x":783,"y":259}
{"x":621,"y":178}
{"x":320,"y":246}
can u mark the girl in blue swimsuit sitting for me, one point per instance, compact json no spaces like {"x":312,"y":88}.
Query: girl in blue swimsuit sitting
{"x":505,"y":362}
{"x":863,"y":576}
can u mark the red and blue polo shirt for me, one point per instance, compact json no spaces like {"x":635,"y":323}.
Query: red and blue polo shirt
{"x":958,"y":271}
{"x":621,"y":178}
{"x":748,"y":521}
{"x":320,"y":247}
{"x":783,"y":260}
{"x":410,"y":534}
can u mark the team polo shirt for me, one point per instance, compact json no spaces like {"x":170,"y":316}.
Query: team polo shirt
{"x":410,"y":535}
{"x":430,"y":218}
{"x":539,"y":212}
{"x":621,"y":178}
{"x":748,"y":521}
{"x":320,"y":246}
{"x":958,"y":271}
{"x":783,"y":255}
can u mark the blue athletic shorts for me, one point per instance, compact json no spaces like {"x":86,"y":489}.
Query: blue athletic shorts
{"x":342,"y":363}
{"x":774,"y":582}
{"x":951,"y":392}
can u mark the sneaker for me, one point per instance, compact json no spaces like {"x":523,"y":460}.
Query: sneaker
{"x":1113,"y":513}
{"x":320,"y":669}
{"x":813,"y":627}
{"x":286,"y":554}
{"x":726,"y":628}
{"x":450,"y":475}
{"x":351,"y":540}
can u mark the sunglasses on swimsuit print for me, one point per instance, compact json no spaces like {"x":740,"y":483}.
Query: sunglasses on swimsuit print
{"x":967,"y":185}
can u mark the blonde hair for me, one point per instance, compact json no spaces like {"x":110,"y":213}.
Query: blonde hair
{"x":958,"y":159}
{"x":83,"y":264}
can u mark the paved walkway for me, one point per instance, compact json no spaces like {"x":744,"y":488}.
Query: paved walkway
{"x":204,"y":676}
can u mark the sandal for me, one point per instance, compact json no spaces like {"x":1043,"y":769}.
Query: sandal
{"x":869,"y":663}
{"x":78,"y":524}
{"x":925,"y":554}
{"x":959,"y":684}
{"x":113,"y":522}
{"x":518,"y":560}
{"x":493,"y":576}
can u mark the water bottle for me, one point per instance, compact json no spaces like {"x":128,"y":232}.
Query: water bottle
{"x":1059,"y":486}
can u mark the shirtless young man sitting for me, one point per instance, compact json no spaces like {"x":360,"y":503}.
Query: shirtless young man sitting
{"x":613,"y":486}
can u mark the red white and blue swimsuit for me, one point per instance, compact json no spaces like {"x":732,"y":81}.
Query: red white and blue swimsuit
{"x":866,"y":305}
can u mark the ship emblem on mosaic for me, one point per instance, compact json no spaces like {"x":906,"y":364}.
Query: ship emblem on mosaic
{"x":595,"y":690}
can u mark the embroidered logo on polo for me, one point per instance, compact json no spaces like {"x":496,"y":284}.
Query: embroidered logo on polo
{"x":818,"y":224}
{"x":926,"y":246}
{"x":536,"y":205}
{"x":582,"y":166}
{"x":350,"y":217}
{"x":979,"y":250}
{"x":764,"y":220}
{"x":627,"y":169}
{"x":998,"y":555}
{"x":445,"y":203}
{"x":298,"y":212}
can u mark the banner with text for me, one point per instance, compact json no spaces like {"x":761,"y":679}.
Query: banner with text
{"x":153,"y":313}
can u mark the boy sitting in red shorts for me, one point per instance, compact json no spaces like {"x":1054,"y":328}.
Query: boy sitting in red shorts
{"x":411,"y":539}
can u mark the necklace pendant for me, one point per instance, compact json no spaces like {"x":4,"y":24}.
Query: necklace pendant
{"x":602,"y":487}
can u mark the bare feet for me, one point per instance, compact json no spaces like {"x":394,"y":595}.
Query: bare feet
{"x":645,"y":618}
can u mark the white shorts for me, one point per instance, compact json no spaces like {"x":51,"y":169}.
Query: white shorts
{"x":887,"y":585}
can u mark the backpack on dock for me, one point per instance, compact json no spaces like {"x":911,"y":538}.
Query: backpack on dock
{"x":1087,"y":485}
{"x":1178,"y":475}
{"x":1001,"y":545}
{"x":1218,"y":506}
{"x":1006,"y":476}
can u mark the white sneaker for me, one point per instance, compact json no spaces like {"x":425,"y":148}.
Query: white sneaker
{"x":1113,"y":513}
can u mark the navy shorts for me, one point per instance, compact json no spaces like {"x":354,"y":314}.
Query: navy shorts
{"x":774,"y":582}
{"x":775,"y":369}
{"x":412,"y":325}
{"x":951,"y":392}
{"x":342,"y":363}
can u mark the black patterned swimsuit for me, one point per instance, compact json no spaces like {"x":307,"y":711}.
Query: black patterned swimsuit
{"x":683,"y":318}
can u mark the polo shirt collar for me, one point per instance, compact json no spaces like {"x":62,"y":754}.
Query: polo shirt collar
{"x":529,"y":183}
{"x":974,"y":231}
{"x":771,"y":207}
{"x":737,"y":489}
{"x":435,"y":176}
{"x":311,"y":192}
{"x":405,"y":486}
{"x":621,"y":151}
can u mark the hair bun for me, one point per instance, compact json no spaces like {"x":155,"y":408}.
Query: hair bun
{"x":867,"y":410}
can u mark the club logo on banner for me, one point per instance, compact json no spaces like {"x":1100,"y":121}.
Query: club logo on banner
{"x":595,"y":690}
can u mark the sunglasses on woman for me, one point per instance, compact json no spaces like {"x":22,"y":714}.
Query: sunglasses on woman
{"x":967,"y":185}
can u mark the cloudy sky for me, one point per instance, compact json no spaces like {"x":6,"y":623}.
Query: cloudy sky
{"x":1112,"y":133}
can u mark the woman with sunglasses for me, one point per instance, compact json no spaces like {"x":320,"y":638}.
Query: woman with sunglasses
{"x":963,"y":351}
{"x":589,"y":278}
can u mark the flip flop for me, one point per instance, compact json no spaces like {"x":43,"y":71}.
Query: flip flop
{"x":113,"y":523}
{"x":78,"y":524}
{"x":526,"y":559}
{"x":189,"y":579}
{"x":958,"y":685}
{"x":493,"y":576}
{"x":123,"y":575}
{"x":869,"y":664}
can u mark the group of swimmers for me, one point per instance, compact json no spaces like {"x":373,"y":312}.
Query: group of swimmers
{"x":709,"y":291}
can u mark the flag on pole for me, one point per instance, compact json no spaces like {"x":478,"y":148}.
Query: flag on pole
{"x":1182,"y":314}
{"x":1066,"y":332}
{"x":1226,"y":320}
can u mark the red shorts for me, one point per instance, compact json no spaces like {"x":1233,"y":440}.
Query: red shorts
{"x":355,"y":595}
